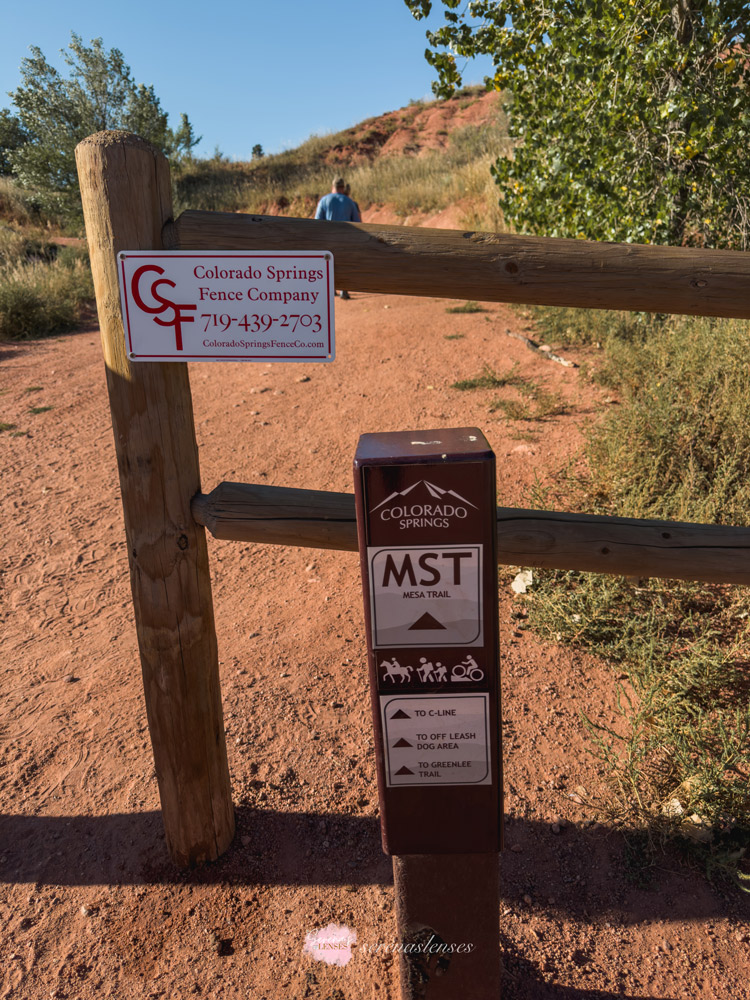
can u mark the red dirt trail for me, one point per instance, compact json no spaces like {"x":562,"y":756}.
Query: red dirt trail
{"x":91,"y":906}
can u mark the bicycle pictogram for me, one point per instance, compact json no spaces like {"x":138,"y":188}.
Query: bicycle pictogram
{"x":467,"y":670}
{"x":427,"y":672}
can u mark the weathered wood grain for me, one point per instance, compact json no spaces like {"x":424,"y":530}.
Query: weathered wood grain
{"x":495,"y":267}
{"x":542,"y":539}
{"x":126,"y":195}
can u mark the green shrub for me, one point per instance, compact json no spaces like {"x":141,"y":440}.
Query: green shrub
{"x":24,"y":246}
{"x":679,"y":445}
{"x":489,"y":379}
{"x":39,"y":298}
{"x":468,"y":307}
{"x":575,"y":327}
{"x":14,"y":205}
{"x":679,"y":759}
{"x":676,"y":447}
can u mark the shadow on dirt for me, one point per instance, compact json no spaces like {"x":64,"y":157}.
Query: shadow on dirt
{"x":576,"y":872}
{"x":86,"y":326}
{"x":9,"y":351}
{"x":522,"y":981}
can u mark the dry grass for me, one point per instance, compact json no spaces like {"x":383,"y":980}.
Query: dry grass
{"x":676,"y":447}
{"x":43,"y":289}
{"x":292,"y":182}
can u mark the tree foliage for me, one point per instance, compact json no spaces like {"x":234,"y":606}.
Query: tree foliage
{"x":53,"y":113}
{"x":12,"y":135}
{"x":631,"y":118}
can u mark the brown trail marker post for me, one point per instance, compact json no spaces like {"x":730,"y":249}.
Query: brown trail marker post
{"x":428,"y":545}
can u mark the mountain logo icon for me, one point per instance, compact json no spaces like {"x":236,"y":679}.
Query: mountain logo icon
{"x":420,"y":495}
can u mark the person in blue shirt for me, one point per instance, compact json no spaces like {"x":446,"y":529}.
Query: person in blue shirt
{"x":337,"y":207}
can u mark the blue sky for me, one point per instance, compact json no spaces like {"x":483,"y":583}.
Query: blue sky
{"x":245,"y":72}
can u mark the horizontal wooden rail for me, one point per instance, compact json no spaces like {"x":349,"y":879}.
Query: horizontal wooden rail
{"x":495,"y":267}
{"x":619,"y":545}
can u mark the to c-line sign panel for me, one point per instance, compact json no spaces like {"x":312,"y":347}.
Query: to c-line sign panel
{"x":227,"y":305}
{"x":427,"y":535}
{"x":436,"y":740}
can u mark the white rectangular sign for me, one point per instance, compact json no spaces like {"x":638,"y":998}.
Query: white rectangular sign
{"x":440,"y":739}
{"x":223,"y":305}
{"x":426,"y":595}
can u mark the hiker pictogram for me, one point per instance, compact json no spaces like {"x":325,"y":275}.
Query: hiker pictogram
{"x":428,"y":672}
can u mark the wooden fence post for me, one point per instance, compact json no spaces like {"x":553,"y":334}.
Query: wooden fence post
{"x":125,"y":188}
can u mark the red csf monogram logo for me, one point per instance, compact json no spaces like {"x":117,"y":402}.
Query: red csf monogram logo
{"x":179,"y":308}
